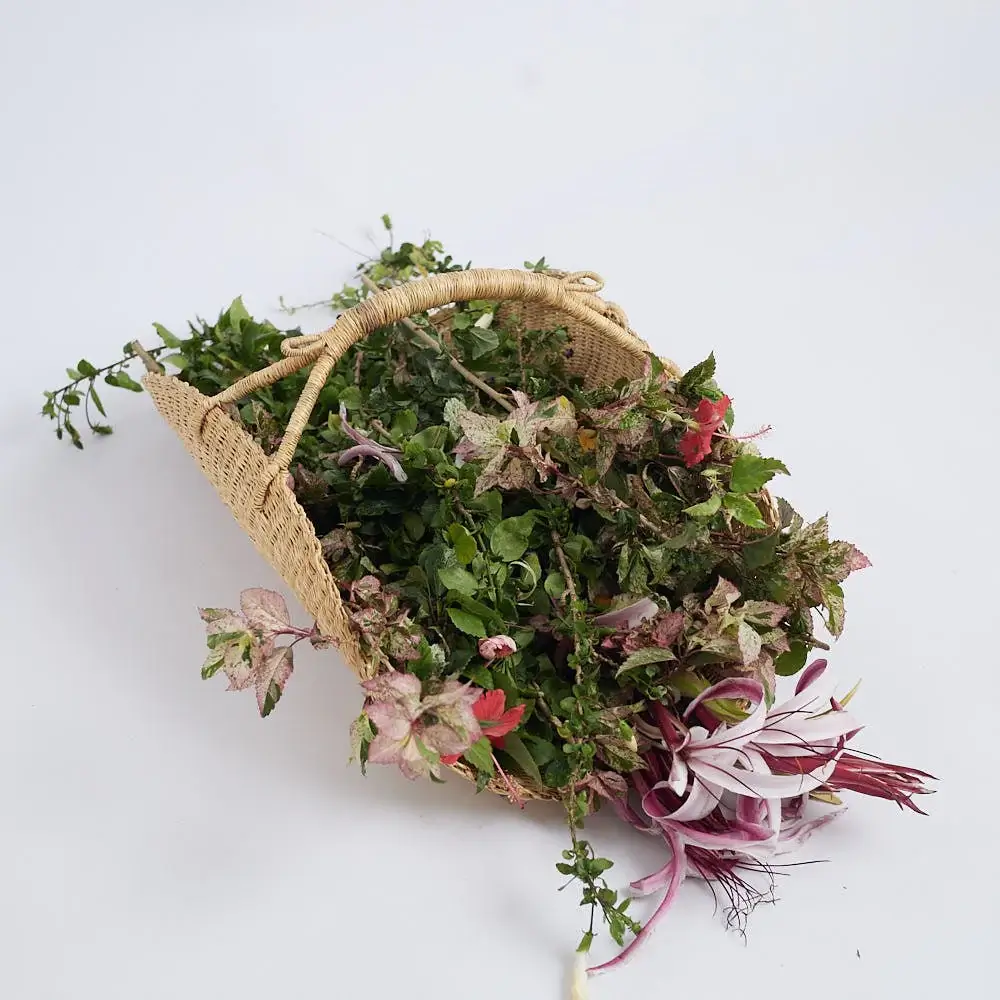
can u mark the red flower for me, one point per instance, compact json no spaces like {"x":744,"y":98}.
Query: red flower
{"x":493,"y":720}
{"x":696,"y":444}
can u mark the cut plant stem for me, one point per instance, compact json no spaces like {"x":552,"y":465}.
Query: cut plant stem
{"x":152,"y":365}
{"x":427,"y":339}
{"x":564,"y":566}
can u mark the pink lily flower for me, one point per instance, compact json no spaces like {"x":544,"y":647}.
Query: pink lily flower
{"x":732,"y":798}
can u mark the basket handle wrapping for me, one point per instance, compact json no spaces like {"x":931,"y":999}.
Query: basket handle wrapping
{"x":574,"y":294}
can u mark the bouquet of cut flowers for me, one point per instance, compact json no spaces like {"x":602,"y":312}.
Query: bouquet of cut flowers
{"x":552,"y":560}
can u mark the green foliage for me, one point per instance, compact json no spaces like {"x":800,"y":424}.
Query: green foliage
{"x":750,"y":473}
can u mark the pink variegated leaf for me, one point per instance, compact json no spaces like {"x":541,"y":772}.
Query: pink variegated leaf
{"x":222,"y":621}
{"x":270,"y":677}
{"x":749,"y":642}
{"x":395,"y":686}
{"x":265,"y":610}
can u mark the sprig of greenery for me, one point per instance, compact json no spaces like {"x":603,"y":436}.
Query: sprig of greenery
{"x":81,"y":392}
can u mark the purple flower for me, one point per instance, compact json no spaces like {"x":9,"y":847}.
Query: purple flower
{"x":365,"y":447}
{"x":727,"y":801}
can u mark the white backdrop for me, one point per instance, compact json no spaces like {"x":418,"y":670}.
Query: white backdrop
{"x":809,"y":189}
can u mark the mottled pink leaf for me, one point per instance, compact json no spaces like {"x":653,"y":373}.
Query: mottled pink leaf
{"x":265,"y":610}
{"x":749,"y":643}
{"x":275,"y":669}
{"x":221,"y":621}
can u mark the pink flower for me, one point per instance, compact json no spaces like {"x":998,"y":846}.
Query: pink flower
{"x":697,"y":443}
{"x":884,"y":781}
{"x":496,"y":647}
{"x":494,"y":722}
{"x":729,"y":800}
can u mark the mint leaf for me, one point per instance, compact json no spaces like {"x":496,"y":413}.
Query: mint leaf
{"x":456,"y":578}
{"x":744,"y":510}
{"x":750,"y":472}
{"x":463,"y":543}
{"x":510,"y":538}
{"x":707,"y":508}
{"x":692,"y":380}
{"x":480,"y":756}
{"x":469,"y":624}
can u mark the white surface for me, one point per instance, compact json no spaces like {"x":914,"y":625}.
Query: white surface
{"x":809,"y":189}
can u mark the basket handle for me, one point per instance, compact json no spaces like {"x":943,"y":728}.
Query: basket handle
{"x":574,"y":294}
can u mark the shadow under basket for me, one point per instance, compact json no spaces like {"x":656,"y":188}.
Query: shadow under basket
{"x":253,"y":484}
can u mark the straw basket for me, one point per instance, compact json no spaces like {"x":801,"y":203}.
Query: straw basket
{"x":253,"y":484}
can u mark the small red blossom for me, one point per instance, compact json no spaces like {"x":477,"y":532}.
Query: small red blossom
{"x":696,"y":444}
{"x":494,"y":722}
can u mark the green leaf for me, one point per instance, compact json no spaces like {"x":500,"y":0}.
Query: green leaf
{"x":515,"y":748}
{"x":85,"y":368}
{"x":477,"y":341}
{"x":750,"y":472}
{"x":793,"y":661}
{"x":404,"y":424}
{"x":413,"y":525}
{"x":431,"y":437}
{"x":123,"y":380}
{"x":707,"y":508}
{"x":642,"y":657}
{"x":480,"y":756}
{"x":101,"y":429}
{"x":97,"y":401}
{"x":510,"y":538}
{"x":350,"y":396}
{"x":555,"y":585}
{"x":237,"y":314}
{"x":71,"y":398}
{"x":73,"y":374}
{"x":696,"y":377}
{"x":456,"y":578}
{"x":467,"y":623}
{"x":387,"y":223}
{"x":463,"y":543}
{"x":688,"y":534}
{"x":744,"y":510}
{"x":762,"y":552}
{"x":177,"y":360}
{"x":167,"y":337}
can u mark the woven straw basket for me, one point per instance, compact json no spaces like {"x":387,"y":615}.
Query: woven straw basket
{"x":253,"y":484}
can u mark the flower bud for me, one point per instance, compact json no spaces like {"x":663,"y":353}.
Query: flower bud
{"x":496,"y":647}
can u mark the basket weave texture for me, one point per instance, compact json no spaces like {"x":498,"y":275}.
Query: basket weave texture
{"x":252,"y":483}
